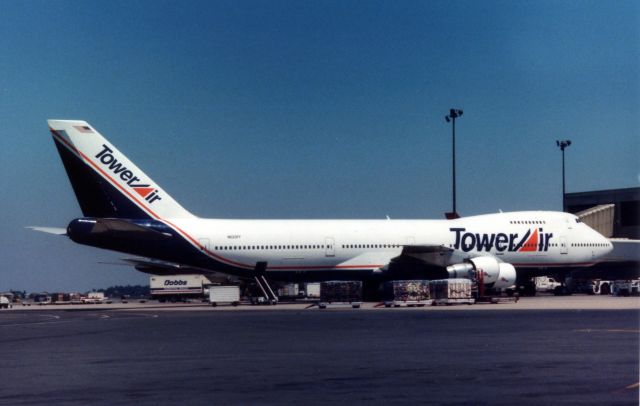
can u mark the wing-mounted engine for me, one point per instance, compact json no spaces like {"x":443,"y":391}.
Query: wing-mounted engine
{"x":494,"y":273}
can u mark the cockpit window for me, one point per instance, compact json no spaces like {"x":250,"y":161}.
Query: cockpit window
{"x":578,"y":220}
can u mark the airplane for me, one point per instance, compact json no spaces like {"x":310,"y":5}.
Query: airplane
{"x":126,"y":211}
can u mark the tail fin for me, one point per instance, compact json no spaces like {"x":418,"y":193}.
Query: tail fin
{"x":105,"y":182}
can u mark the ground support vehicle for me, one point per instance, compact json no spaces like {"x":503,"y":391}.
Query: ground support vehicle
{"x":626,"y":287}
{"x":5,"y":303}
{"x":546,"y":284}
{"x":175,"y":288}
{"x":93,"y":298}
{"x":219,"y":294}
{"x":589,"y":286}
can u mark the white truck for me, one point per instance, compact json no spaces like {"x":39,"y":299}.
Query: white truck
{"x":5,"y":303}
{"x":545,"y":284}
{"x":93,"y":298}
{"x":219,"y":294}
{"x":175,"y":288}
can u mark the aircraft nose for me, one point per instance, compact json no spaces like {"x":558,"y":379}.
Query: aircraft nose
{"x":609,"y":245}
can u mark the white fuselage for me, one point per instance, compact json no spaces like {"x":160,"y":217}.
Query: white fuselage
{"x":307,"y":245}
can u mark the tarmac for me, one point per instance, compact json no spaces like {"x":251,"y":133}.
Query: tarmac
{"x":542,"y":350}
{"x":540,"y":302}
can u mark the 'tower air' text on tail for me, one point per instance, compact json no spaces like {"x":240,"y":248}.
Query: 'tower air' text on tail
{"x":107,"y":183}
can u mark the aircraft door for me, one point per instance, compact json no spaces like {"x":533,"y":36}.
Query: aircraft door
{"x":564,"y":247}
{"x":329,"y":247}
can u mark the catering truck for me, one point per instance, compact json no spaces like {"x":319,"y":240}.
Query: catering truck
{"x":178,"y":288}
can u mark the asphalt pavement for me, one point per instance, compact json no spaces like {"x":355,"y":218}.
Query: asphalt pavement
{"x":343,"y":356}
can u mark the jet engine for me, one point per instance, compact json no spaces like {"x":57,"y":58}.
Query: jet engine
{"x":495,"y":274}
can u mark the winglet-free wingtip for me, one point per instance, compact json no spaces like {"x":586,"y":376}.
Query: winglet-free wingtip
{"x":49,"y":230}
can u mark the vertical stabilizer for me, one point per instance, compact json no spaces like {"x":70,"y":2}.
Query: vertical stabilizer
{"x":107,"y":183}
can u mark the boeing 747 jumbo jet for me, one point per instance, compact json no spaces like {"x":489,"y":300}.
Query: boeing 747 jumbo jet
{"x":124,"y":210}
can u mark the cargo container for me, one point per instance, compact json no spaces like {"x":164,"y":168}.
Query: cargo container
{"x":406,"y":293}
{"x":224,"y":295}
{"x":340,"y":293}
{"x":451,"y":291}
{"x":60,"y":298}
{"x":288,"y":291}
{"x":312,"y":290}
{"x":175,"y":288}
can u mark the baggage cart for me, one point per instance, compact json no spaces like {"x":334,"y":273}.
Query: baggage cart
{"x":451,"y":291}
{"x":407,"y":293}
{"x":340,"y":293}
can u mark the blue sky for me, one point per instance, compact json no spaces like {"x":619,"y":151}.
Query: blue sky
{"x":312,"y":109}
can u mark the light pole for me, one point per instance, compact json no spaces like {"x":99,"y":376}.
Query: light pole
{"x":563,"y":144}
{"x":451,"y":117}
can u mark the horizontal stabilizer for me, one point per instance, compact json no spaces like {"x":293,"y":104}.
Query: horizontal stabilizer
{"x":126,"y":226}
{"x":49,"y":230}
{"x":83,"y":230}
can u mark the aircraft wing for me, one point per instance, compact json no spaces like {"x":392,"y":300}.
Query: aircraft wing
{"x":434,"y":255}
{"x":428,"y":260}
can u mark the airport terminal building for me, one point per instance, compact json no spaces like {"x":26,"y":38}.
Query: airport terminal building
{"x":614,"y":212}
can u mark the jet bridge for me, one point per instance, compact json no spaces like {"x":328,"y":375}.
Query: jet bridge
{"x":600,"y":218}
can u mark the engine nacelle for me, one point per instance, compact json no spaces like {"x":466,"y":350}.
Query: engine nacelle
{"x":494,"y":273}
